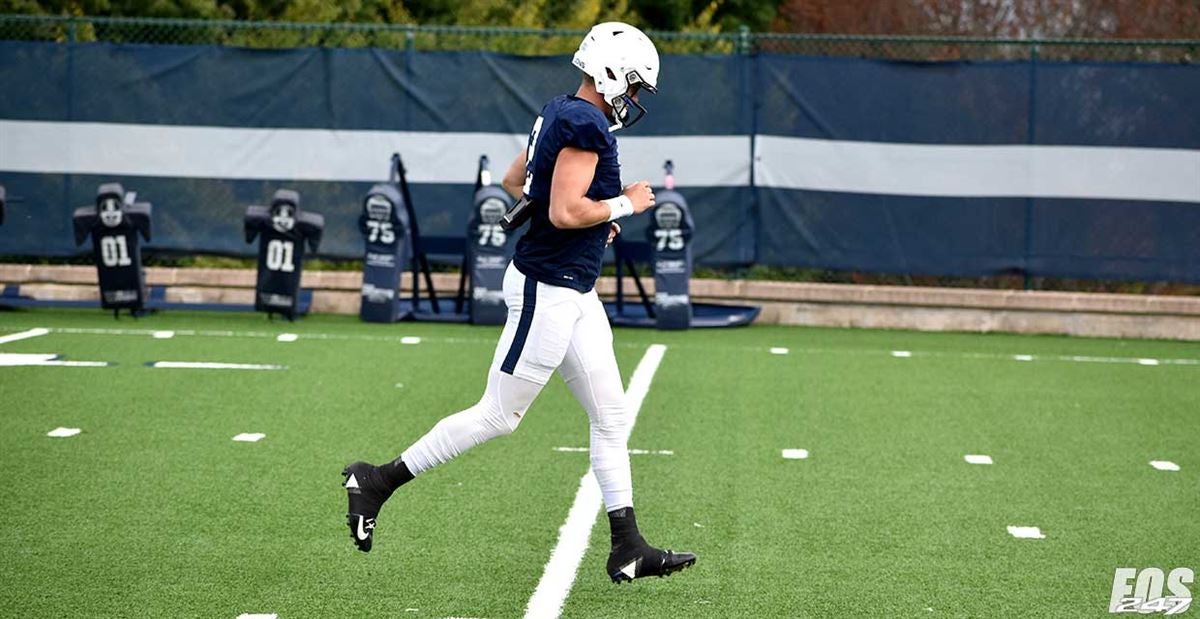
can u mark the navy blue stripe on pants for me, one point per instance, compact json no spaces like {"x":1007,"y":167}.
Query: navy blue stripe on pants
{"x":518,"y":343}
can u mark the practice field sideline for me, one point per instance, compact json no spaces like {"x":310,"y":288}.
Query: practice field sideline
{"x":153,"y":509}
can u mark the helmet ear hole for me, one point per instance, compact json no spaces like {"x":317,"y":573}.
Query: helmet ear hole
{"x":611,"y":75}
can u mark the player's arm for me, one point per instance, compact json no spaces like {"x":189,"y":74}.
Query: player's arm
{"x":514,"y":179}
{"x":569,"y":205}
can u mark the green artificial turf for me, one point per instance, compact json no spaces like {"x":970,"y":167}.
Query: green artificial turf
{"x":153,"y":511}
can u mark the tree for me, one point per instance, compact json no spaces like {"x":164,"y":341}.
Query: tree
{"x":653,"y":14}
{"x":995,"y":18}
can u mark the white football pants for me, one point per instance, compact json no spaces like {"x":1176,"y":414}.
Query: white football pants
{"x":548,"y":328}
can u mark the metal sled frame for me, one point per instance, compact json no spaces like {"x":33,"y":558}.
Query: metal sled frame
{"x":622,"y":313}
{"x":429,"y":308}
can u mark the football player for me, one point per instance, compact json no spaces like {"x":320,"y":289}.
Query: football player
{"x":569,"y":178}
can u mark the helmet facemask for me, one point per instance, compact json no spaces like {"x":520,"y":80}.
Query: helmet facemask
{"x":626,"y":110}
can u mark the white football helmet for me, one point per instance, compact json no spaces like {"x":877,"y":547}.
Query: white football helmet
{"x":617,"y":56}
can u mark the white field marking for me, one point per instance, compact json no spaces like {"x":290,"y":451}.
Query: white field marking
{"x":412,"y":610}
{"x":697,"y":525}
{"x":1026,"y":532}
{"x":902,"y":353}
{"x":61,"y":432}
{"x":632,"y":452}
{"x":25,"y":358}
{"x":1137,"y":360}
{"x":977,"y":459}
{"x":779,"y":350}
{"x":287,"y":337}
{"x":250,"y":437}
{"x":399,"y":385}
{"x":1068,"y":358}
{"x":410,"y":339}
{"x":163,"y":335}
{"x":795,"y":454}
{"x":1164,"y":465}
{"x":211,"y":365}
{"x":559,"y":574}
{"x":24,"y":335}
{"x":347,"y":337}
{"x":38,"y":359}
{"x":258,"y":616}
{"x":491,"y":342}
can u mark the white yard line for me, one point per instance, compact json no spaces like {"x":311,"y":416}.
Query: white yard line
{"x":24,"y":335}
{"x":409,"y":339}
{"x":210,"y":365}
{"x":45,"y":359}
{"x":559,"y":575}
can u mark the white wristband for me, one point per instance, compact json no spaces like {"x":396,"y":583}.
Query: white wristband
{"x":620,"y":206}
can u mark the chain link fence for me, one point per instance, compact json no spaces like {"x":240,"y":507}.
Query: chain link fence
{"x":260,"y":34}
{"x":563,"y":41}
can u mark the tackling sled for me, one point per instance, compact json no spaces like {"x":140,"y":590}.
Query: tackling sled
{"x":394,"y":244}
{"x":668,"y":251}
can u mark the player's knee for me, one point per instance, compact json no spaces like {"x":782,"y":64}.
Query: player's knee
{"x":611,"y":423}
{"x":501,"y":422}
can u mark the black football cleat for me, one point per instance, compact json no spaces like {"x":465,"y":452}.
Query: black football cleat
{"x":639,"y":560}
{"x":367,"y":493}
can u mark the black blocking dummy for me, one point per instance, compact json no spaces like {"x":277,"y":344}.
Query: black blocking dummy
{"x":283,"y":231}
{"x":116,"y":224}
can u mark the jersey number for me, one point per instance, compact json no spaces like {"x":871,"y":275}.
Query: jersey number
{"x":493,"y":234}
{"x":669,"y":239}
{"x":114,"y":252}
{"x":279,"y":256}
{"x":533,"y":137}
{"x":380,"y":232}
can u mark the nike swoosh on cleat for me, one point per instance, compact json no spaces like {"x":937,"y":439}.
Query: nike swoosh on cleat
{"x":360,"y":533}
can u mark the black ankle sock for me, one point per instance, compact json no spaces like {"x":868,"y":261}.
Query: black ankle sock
{"x":624,"y":527}
{"x":395,"y":473}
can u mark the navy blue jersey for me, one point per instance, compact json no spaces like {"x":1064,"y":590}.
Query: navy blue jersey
{"x":569,"y":258}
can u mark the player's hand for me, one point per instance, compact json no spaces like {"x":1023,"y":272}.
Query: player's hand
{"x":641,"y":195}
{"x":613,"y":230}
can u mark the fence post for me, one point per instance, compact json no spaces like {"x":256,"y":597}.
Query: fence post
{"x":743,"y":43}
{"x":1031,"y":137}
{"x":72,"y":38}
